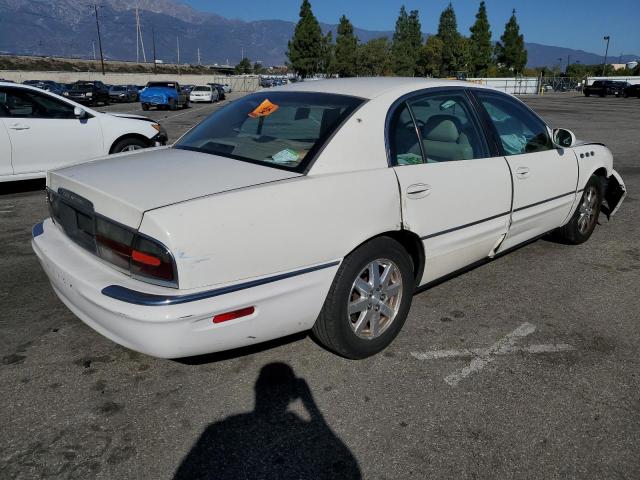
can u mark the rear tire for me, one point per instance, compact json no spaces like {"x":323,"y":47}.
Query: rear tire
{"x":379,"y":302}
{"x":584,"y":219}
{"x":145,"y":106}
{"x":172,"y":104}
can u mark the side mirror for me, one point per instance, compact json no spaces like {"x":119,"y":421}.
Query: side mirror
{"x":79,"y":113}
{"x":563,"y":138}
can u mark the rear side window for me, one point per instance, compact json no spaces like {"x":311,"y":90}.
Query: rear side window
{"x":519,"y":129}
{"x":438,"y":127}
{"x":278,"y":129}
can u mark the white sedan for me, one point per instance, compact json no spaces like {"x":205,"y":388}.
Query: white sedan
{"x":204,"y":93}
{"x":40,"y":131}
{"x":321,"y":205}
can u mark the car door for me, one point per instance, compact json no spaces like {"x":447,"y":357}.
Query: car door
{"x":455,"y":193}
{"x":44,"y":132}
{"x":5,"y":144}
{"x":544,"y":177}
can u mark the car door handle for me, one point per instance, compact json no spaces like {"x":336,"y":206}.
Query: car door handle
{"x":522,"y":172}
{"x":19,"y":126}
{"x":418,"y":190}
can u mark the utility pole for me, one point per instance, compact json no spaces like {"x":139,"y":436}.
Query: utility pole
{"x":95,"y":9}
{"x":568,"y":63}
{"x":93,"y":44}
{"x":199,"y":56}
{"x":606,"y":52}
{"x":153,"y":40}
{"x":178,"y":44}
{"x":137,"y":37}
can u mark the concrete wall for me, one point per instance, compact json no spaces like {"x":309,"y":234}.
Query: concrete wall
{"x":241,"y":83}
{"x":517,"y":86}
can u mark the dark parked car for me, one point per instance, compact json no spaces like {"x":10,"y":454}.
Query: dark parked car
{"x":221,"y":93}
{"x":47,"y":85}
{"x":603,"y":88}
{"x":90,"y":93}
{"x":123,"y":93}
{"x":631,"y":90}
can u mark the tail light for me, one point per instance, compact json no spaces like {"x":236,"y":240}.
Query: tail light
{"x":124,"y":248}
{"x":135,"y":253}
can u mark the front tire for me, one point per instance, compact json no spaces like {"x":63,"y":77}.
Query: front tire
{"x":368,"y":301}
{"x":584,"y":219}
{"x":129,"y":144}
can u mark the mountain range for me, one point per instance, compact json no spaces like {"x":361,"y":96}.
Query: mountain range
{"x":68,"y":28}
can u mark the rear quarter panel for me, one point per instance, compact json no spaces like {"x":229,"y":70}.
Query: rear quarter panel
{"x":275,"y":227}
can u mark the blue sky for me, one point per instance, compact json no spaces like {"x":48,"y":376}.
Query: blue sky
{"x":578,"y":24}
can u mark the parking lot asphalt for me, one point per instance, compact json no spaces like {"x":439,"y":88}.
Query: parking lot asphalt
{"x":527,"y":367}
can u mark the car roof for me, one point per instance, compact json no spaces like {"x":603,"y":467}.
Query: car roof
{"x":371,"y":87}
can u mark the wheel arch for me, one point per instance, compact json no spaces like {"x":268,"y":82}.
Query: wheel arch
{"x":411,"y":242}
{"x":129,"y":135}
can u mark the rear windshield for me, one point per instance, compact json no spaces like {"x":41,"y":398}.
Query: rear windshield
{"x":278,"y":129}
{"x":118,"y":89}
{"x":202,"y":89}
{"x":161,"y":84}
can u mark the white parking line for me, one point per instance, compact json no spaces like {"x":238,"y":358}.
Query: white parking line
{"x":483,"y":356}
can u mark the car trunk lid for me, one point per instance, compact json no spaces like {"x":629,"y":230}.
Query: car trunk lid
{"x":124,"y":186}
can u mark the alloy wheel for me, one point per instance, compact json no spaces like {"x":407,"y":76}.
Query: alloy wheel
{"x":588,"y":209}
{"x":375,"y":299}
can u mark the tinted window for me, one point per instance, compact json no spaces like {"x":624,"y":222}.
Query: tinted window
{"x":447,"y":128}
{"x":28,"y":104}
{"x":519,"y":129}
{"x":278,"y":129}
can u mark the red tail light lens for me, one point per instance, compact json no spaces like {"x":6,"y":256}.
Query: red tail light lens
{"x":151,"y":259}
{"x":141,"y":256}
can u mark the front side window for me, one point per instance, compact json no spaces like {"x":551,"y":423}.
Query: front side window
{"x":520,"y":130}
{"x":278,"y":129}
{"x":28,"y":104}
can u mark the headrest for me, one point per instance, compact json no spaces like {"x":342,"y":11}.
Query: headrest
{"x":441,"y":131}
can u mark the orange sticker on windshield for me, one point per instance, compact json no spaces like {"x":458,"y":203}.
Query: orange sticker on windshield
{"x":264,"y":109}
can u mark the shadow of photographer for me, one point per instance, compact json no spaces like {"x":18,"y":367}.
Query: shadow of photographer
{"x":271,"y":441}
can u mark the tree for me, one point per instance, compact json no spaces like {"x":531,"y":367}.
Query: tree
{"x":451,"y":42}
{"x":305,"y":47}
{"x":327,"y":59}
{"x":374,"y":58}
{"x":510,"y":51}
{"x":431,"y":57}
{"x":243,"y":67}
{"x":407,"y":43}
{"x":480,"y":48}
{"x":346,"y":52}
{"x":258,"y":68}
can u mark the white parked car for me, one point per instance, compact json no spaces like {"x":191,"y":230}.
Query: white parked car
{"x":40,"y":131}
{"x":226,"y":87}
{"x":321,"y":205}
{"x":203,"y":93}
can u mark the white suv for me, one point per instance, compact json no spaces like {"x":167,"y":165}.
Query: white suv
{"x":40,"y":131}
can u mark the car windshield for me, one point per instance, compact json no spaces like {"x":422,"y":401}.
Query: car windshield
{"x":82,"y":86}
{"x":161,"y":84}
{"x":280,"y":129}
{"x":202,"y":89}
